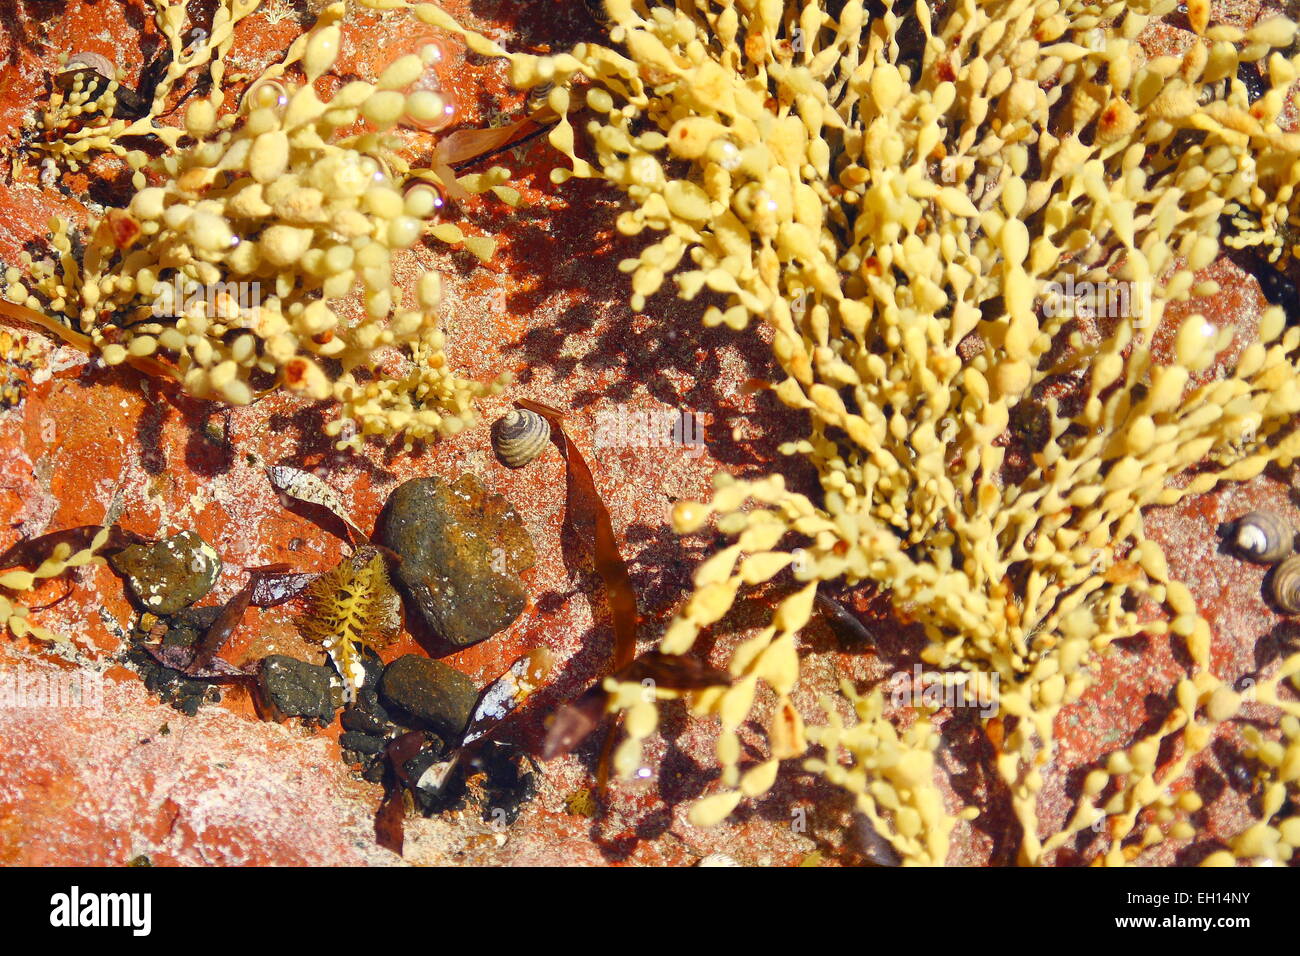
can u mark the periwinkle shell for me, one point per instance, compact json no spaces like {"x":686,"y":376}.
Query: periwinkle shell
{"x":1263,"y":536}
{"x":1286,"y":585}
{"x":520,"y":436}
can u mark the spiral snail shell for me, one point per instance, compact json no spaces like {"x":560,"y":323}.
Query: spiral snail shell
{"x":599,"y":12}
{"x":520,"y":436}
{"x":1286,"y":585}
{"x":1263,"y":536}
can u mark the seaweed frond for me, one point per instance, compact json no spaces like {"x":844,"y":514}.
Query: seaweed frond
{"x":68,"y":552}
{"x":351,"y":607}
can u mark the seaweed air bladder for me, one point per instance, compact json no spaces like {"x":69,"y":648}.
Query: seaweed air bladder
{"x":904,"y":196}
{"x":229,"y":267}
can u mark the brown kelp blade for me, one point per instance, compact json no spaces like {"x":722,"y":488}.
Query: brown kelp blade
{"x":467,"y":145}
{"x":390,"y":817}
{"x":573,"y":723}
{"x":20,"y":313}
{"x":609,"y":562}
{"x":609,"y":565}
{"x":216,"y":636}
{"x":390,"y":821}
{"x":674,"y":672}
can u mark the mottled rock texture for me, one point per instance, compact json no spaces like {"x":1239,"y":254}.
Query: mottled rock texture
{"x":462,"y":549}
{"x":170,"y":574}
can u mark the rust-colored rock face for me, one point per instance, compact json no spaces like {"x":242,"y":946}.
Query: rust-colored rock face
{"x":114,"y":773}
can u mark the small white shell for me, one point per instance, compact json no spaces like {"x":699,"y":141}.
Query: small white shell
{"x":1263,"y":537}
{"x":91,"y":61}
{"x":1286,"y":585}
{"x":520,"y":436}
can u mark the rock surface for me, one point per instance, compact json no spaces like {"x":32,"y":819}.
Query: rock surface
{"x":168,"y":575}
{"x":89,"y":789}
{"x":430,"y":692}
{"x":462,"y":549}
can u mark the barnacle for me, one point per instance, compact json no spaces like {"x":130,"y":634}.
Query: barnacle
{"x":233,"y":265}
{"x":352,"y":607}
{"x":879,"y":186}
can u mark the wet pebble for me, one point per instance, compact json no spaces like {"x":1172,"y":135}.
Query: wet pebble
{"x":172,"y":687}
{"x":361,"y":743}
{"x":165,"y":576}
{"x":462,"y":550}
{"x":356,"y":719}
{"x":296,"y":688}
{"x":430,"y":693}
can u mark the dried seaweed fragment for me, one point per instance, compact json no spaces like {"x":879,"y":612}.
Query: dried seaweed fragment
{"x":305,"y":486}
{"x":272,"y":590}
{"x":351,"y":607}
{"x":508,"y":691}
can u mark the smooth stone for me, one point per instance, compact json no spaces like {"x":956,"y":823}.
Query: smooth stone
{"x":462,"y":550}
{"x":168,"y":575}
{"x":363,"y":723}
{"x":431,"y":692}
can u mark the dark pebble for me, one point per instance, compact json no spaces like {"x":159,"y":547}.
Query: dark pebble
{"x":296,"y":688}
{"x":167,"y":575}
{"x":361,"y":743}
{"x":357,"y":719}
{"x":368,"y":703}
{"x":432,"y":693}
{"x":189,"y":625}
